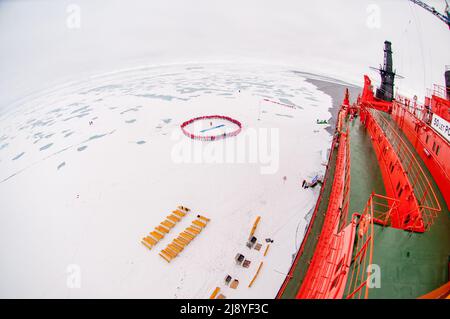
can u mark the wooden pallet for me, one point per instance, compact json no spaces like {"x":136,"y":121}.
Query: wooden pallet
{"x":184,"y":238}
{"x":164,"y":228}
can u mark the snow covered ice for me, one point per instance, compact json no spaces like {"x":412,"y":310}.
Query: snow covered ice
{"x":86,"y":171}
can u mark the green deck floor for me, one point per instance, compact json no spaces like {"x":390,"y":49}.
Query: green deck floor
{"x":365,"y":172}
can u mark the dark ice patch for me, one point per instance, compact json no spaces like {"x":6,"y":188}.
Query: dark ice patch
{"x":132,"y":109}
{"x":45,"y":146}
{"x":286,"y":101}
{"x":94,"y":137}
{"x":77,"y":116}
{"x":55,"y":110}
{"x":42,"y":123}
{"x":284,"y":115}
{"x":18,"y":156}
{"x":104,"y":88}
{"x":81,"y":109}
{"x":160,"y":96}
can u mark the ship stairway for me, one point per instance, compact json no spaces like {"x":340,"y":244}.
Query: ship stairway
{"x":362,"y":272}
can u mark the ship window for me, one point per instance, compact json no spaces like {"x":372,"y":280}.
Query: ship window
{"x":437,"y":150}
{"x":339,"y":265}
{"x":398,"y":186}
{"x":434,"y":146}
{"x":426,"y":140}
{"x":335,"y":282}
{"x":407,"y":219}
{"x":392,"y":167}
{"x":400,"y":193}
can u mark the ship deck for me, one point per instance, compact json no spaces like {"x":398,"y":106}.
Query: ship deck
{"x":411,"y":264}
{"x":300,"y":269}
{"x":365,"y":178}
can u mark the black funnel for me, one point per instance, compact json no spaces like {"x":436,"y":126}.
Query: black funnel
{"x":447,"y":82}
{"x":386,"y":90}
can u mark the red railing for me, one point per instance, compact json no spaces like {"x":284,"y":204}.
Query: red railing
{"x":326,"y":274}
{"x":359,"y":272}
{"x":413,"y":107}
{"x":426,"y":142}
{"x":346,"y":194}
{"x":427,"y":201}
{"x":289,"y":276}
{"x":395,"y":180}
{"x":438,"y":90}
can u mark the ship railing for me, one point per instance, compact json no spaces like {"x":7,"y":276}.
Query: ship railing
{"x":383,"y":208}
{"x":347,"y":181}
{"x":358,"y":283}
{"x":414,"y":107}
{"x":427,"y":200}
{"x":323,"y":279}
{"x":438,"y":90}
{"x":427,"y":120}
{"x":306,"y":240}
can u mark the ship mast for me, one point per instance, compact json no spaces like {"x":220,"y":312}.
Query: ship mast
{"x":386,"y":90}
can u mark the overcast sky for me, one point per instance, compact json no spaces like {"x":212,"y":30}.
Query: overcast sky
{"x":41,"y":45}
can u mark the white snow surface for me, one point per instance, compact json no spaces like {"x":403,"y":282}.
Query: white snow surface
{"x":86,"y":170}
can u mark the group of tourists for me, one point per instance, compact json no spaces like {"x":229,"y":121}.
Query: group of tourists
{"x":211,"y":137}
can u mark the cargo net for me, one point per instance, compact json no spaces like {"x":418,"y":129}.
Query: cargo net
{"x":211,"y":127}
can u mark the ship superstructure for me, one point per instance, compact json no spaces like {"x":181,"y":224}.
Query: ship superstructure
{"x":381,"y":225}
